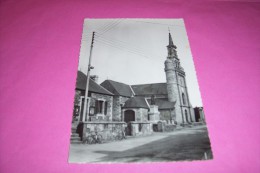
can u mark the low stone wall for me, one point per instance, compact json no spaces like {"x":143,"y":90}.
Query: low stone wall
{"x":141,"y":128}
{"x":164,"y":127}
{"x":108,"y":130}
{"x":169,"y":128}
{"x":198,"y":123}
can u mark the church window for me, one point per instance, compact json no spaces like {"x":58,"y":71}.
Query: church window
{"x":183,"y":99}
{"x":99,"y":106}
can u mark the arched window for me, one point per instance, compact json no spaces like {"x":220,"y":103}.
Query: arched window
{"x":129,"y":115}
{"x":183,"y":99}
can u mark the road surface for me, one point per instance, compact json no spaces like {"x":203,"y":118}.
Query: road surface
{"x":186,"y":144}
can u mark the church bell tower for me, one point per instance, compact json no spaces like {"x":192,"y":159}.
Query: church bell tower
{"x":176,"y":85}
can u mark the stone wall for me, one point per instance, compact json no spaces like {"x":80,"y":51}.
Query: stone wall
{"x":138,"y":115}
{"x":118,"y":101}
{"x":169,"y":127}
{"x":108,"y":130}
{"x":162,"y":126}
{"x":144,"y":114}
{"x":141,"y":128}
{"x":168,"y":116}
{"x":165,"y":115}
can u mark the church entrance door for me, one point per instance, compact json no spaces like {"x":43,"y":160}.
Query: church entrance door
{"x":129,"y":116}
{"x":186,"y":116}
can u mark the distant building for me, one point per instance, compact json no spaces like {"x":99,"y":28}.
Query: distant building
{"x":199,"y":114}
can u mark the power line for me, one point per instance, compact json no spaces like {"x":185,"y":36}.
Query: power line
{"x":112,"y":39}
{"x":111,"y":27}
{"x":100,"y":28}
{"x":92,"y":27}
{"x":124,"y":49}
{"x":122,"y":46}
{"x":118,"y":46}
{"x":90,"y":30}
{"x":158,"y":23}
{"x":107,"y":26}
{"x":122,"y":43}
{"x":113,"y":24}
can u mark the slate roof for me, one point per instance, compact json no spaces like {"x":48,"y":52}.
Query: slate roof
{"x":117,"y":88}
{"x":150,"y":89}
{"x":136,"y":102}
{"x":163,"y":104}
{"x":93,"y":86}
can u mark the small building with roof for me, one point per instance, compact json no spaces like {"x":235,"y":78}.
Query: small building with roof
{"x":121,"y":93}
{"x":135,"y":114}
{"x":100,"y":100}
{"x":136,"y":109}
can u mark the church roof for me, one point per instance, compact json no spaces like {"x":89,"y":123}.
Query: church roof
{"x":163,"y":104}
{"x":93,"y":86}
{"x":136,"y":102}
{"x":150,"y":89}
{"x":117,"y":88}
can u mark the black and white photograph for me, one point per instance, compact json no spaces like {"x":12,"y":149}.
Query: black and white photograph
{"x":137,"y":97}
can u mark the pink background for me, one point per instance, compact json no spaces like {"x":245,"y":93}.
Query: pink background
{"x":40,"y":42}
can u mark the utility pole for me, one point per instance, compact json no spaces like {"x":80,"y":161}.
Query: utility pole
{"x":85,"y":111}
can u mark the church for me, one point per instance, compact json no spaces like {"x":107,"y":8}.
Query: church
{"x":143,"y":108}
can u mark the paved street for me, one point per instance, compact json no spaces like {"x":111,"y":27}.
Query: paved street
{"x":187,"y":144}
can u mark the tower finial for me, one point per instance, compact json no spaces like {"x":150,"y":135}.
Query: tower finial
{"x":170,"y":40}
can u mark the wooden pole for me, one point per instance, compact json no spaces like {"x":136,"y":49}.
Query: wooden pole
{"x":85,"y":112}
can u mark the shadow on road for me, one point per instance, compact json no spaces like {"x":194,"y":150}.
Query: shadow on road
{"x":191,"y":146}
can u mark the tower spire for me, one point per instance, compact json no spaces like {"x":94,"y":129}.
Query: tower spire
{"x":171,"y":47}
{"x":170,"y":41}
{"x":176,"y":85}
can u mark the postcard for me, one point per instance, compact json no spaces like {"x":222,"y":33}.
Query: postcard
{"x":137,"y":97}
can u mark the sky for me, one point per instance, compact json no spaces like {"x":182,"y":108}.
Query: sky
{"x":133,"y":51}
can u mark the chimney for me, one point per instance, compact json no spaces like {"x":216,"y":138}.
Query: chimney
{"x":94,"y":78}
